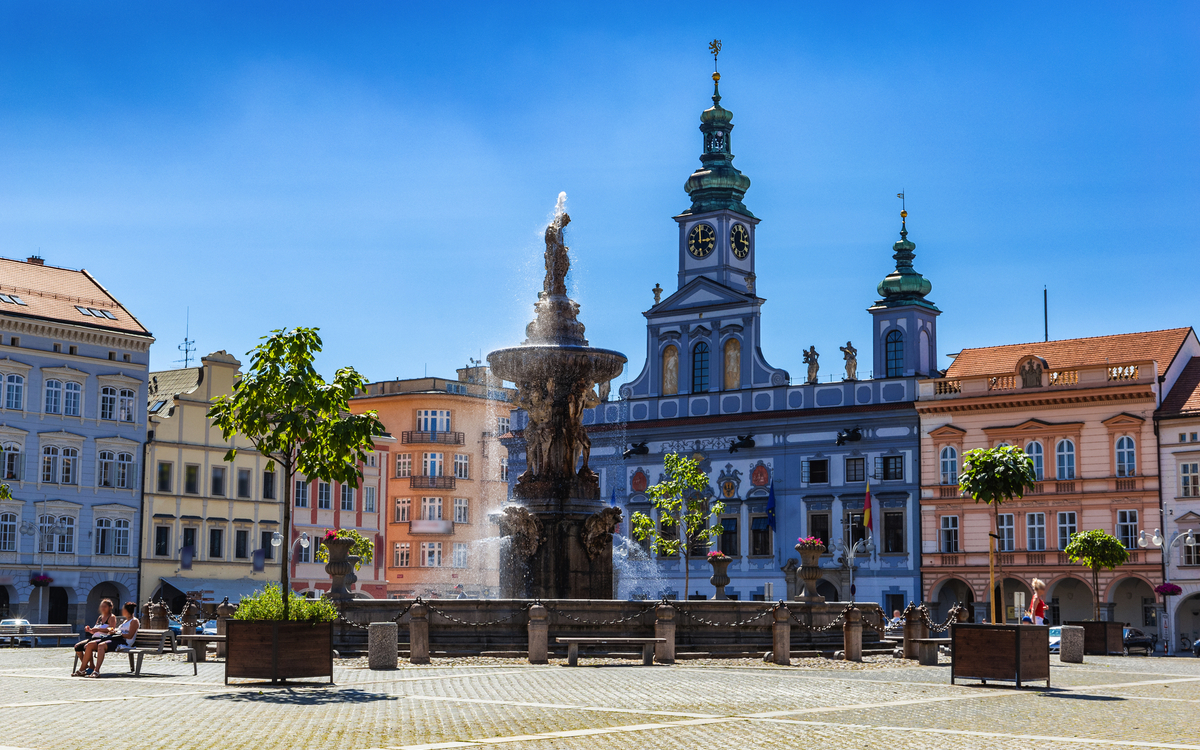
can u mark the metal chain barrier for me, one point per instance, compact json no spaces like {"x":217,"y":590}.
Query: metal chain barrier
{"x":738,"y":624}
{"x":923,"y":612}
{"x":477,"y":623}
{"x":616,"y":621}
{"x":823,"y":628}
{"x":341,"y":617}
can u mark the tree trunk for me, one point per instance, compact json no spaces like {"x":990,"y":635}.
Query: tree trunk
{"x":286,"y":531}
{"x":1003,"y":618}
{"x":683,"y":552}
{"x":1096,"y":592}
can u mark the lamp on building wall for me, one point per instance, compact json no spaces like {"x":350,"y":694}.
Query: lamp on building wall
{"x":1156,"y":540}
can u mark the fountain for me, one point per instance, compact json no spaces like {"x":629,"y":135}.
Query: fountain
{"x":559,"y":533}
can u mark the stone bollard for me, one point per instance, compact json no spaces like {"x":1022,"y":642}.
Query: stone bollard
{"x":913,"y":628}
{"x":539,"y":635}
{"x":382,"y":641}
{"x":852,"y":635}
{"x":225,"y":610}
{"x":1070,"y":644}
{"x":418,"y":634}
{"x":781,"y":636}
{"x":664,"y":627}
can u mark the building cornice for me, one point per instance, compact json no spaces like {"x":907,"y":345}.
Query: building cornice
{"x":1037,"y":400}
{"x":82,"y":334}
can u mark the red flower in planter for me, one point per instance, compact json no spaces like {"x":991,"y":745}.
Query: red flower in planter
{"x":41,"y":579}
{"x":717,"y":555}
{"x":809,"y":541}
{"x":330,"y":535}
{"x":1168,"y":589}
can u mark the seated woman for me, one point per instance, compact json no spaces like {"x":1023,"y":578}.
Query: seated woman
{"x":106,"y":623}
{"x":124,"y":636}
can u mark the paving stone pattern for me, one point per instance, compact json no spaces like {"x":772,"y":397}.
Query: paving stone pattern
{"x":1108,"y":702}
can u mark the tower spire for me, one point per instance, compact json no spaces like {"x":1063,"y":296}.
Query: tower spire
{"x":717,"y":184}
{"x":904,"y":286}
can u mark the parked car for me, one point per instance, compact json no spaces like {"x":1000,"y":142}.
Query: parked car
{"x":1196,"y":647}
{"x":1136,"y":639}
{"x":1055,"y":638}
{"x":15,"y":622}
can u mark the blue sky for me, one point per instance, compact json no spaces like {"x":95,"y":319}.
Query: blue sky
{"x":382,"y":170}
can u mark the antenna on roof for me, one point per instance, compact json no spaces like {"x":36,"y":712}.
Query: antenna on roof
{"x":1046,"y":311}
{"x":188,"y":345}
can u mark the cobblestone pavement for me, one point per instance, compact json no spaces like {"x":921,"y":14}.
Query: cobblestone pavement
{"x":1109,"y":702}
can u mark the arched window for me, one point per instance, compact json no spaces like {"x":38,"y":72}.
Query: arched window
{"x":700,"y":368}
{"x":45,"y":538}
{"x":66,"y":540}
{"x":72,"y":396}
{"x":107,"y":468}
{"x":1126,"y":457}
{"x":121,"y":537}
{"x":949,"y":465}
{"x":10,"y":461}
{"x":894,"y":349}
{"x":125,"y":470}
{"x":1034,"y":451}
{"x":50,"y":455}
{"x":103,"y":536}
{"x":125,"y":411}
{"x":14,"y":392}
{"x":108,"y":402}
{"x":70,"y":466}
{"x":8,"y":532}
{"x":54,"y":392}
{"x":1065,"y":453}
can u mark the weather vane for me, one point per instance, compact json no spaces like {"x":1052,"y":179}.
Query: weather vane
{"x":715,"y":48}
{"x":903,"y":210}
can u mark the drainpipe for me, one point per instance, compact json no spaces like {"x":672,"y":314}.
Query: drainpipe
{"x":1164,"y":628}
{"x":137,"y":580}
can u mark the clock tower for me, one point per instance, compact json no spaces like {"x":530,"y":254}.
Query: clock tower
{"x":716,"y":234}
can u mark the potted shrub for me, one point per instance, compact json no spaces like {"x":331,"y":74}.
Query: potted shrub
{"x":720,"y":577}
{"x":343,"y":552}
{"x":810,"y":549}
{"x":262,"y":642}
{"x":1098,"y":550}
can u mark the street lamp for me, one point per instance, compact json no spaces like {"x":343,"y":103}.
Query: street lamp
{"x":277,"y":540}
{"x":849,"y":553}
{"x":1156,"y":540}
{"x":29,"y":528}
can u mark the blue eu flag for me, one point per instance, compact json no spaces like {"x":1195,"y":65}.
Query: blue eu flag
{"x":771,"y":506}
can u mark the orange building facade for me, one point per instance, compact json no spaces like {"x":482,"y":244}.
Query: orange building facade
{"x":1083,"y":410}
{"x":445,"y":482}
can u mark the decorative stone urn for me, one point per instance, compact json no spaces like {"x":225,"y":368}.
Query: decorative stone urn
{"x":810,"y":571}
{"x":341,"y":564}
{"x":720,"y":577}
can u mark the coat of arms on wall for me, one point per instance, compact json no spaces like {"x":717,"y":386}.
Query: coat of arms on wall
{"x":638,"y":481}
{"x":728,"y":481}
{"x":760,"y":475}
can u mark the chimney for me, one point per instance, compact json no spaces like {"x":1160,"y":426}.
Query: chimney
{"x":35,"y":260}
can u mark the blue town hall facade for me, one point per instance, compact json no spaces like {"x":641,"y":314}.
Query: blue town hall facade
{"x":707,"y":385}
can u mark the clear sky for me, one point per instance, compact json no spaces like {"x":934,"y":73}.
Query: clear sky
{"x":383,"y":170}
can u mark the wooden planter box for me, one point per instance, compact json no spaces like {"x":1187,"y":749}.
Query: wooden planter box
{"x":1101,"y":638}
{"x":278,"y":650}
{"x":1016,"y":653}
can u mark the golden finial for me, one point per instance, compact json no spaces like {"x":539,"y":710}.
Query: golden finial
{"x":715,"y":48}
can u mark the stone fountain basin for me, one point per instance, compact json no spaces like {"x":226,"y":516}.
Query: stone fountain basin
{"x":539,"y":362}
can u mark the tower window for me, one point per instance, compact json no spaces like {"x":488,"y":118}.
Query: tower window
{"x":894,"y":347}
{"x":700,"y":368}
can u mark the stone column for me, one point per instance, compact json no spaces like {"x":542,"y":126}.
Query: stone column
{"x":1070,"y":645}
{"x":225,"y":610}
{"x":781,"y":636}
{"x":539,"y":635}
{"x":664,"y":627}
{"x":852,"y":635}
{"x":789,"y":577}
{"x":418,"y":634}
{"x":382,"y":641}
{"x":913,"y":628}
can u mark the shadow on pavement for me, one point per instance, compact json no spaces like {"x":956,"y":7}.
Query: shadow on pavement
{"x":304,"y":697}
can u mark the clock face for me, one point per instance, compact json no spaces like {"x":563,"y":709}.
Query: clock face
{"x":739,"y":240}
{"x":702,"y":240}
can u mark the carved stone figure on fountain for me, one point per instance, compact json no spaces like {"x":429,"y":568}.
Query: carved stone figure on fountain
{"x":598,"y":531}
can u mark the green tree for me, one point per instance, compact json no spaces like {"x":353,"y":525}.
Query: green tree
{"x":681,"y":505}
{"x":5,"y":492}
{"x":363,"y":547}
{"x":287,"y":411}
{"x":995,"y":476}
{"x":1097,"y":550}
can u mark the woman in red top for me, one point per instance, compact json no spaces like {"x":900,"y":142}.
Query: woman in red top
{"x":1037,"y":607}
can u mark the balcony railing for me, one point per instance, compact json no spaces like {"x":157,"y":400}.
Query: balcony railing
{"x":949,"y":559}
{"x":431,"y":527}
{"x":1126,"y":485}
{"x":944,"y":387}
{"x":441,"y":438}
{"x":1002,"y":383}
{"x":1062,"y":487}
{"x":950,"y":490}
{"x":431,"y":483}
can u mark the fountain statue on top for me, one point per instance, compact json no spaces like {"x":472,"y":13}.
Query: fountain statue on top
{"x":555,"y":548}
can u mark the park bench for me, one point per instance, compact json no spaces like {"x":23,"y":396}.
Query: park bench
{"x":57,"y":632}
{"x":200,"y":642}
{"x":14,"y":634}
{"x":155,"y":642}
{"x":647,"y":645}
{"x":927,"y":650}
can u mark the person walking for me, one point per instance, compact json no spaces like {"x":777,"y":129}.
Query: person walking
{"x":1037,"y":607}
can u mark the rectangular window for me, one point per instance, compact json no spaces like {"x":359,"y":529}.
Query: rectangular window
{"x":268,"y":549}
{"x":243,"y":483}
{"x":403,"y":464}
{"x":504,"y":470}
{"x":1191,"y":554}
{"x":760,"y":536}
{"x":241,"y":544}
{"x":854,"y":524}
{"x":304,"y":553}
{"x":431,"y":464}
{"x":1035,"y":532}
{"x":462,"y":466}
{"x":301,"y":495}
{"x":815,"y":471}
{"x":1007,"y":531}
{"x":893,"y":531}
{"x":502,"y":425}
{"x":1066,"y":527}
{"x":433,"y":420}
{"x":856,"y":469}
{"x":191,"y":479}
{"x":216,"y":544}
{"x":818,"y":526}
{"x":948,"y":534}
{"x":431,"y":554}
{"x":162,"y":541}
{"x":8,"y":532}
{"x":164,"y":476}
{"x":121,"y":537}
{"x":403,"y":506}
{"x":400,"y":556}
{"x":729,"y":536}
{"x":1127,"y":528}
{"x":431,"y":509}
{"x":103,"y":536}
{"x":462,"y":510}
{"x":368,"y":499}
{"x":324,"y":496}
{"x":218,"y":481}
{"x":347,"y":497}
{"x":189,"y":540}
{"x":893,"y":468}
{"x":268,"y":485}
{"x":1189,"y":480}
{"x":460,"y":555}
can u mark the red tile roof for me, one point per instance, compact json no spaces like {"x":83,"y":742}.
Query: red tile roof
{"x":53,"y":293}
{"x":1184,"y":397}
{"x":1069,"y":354}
